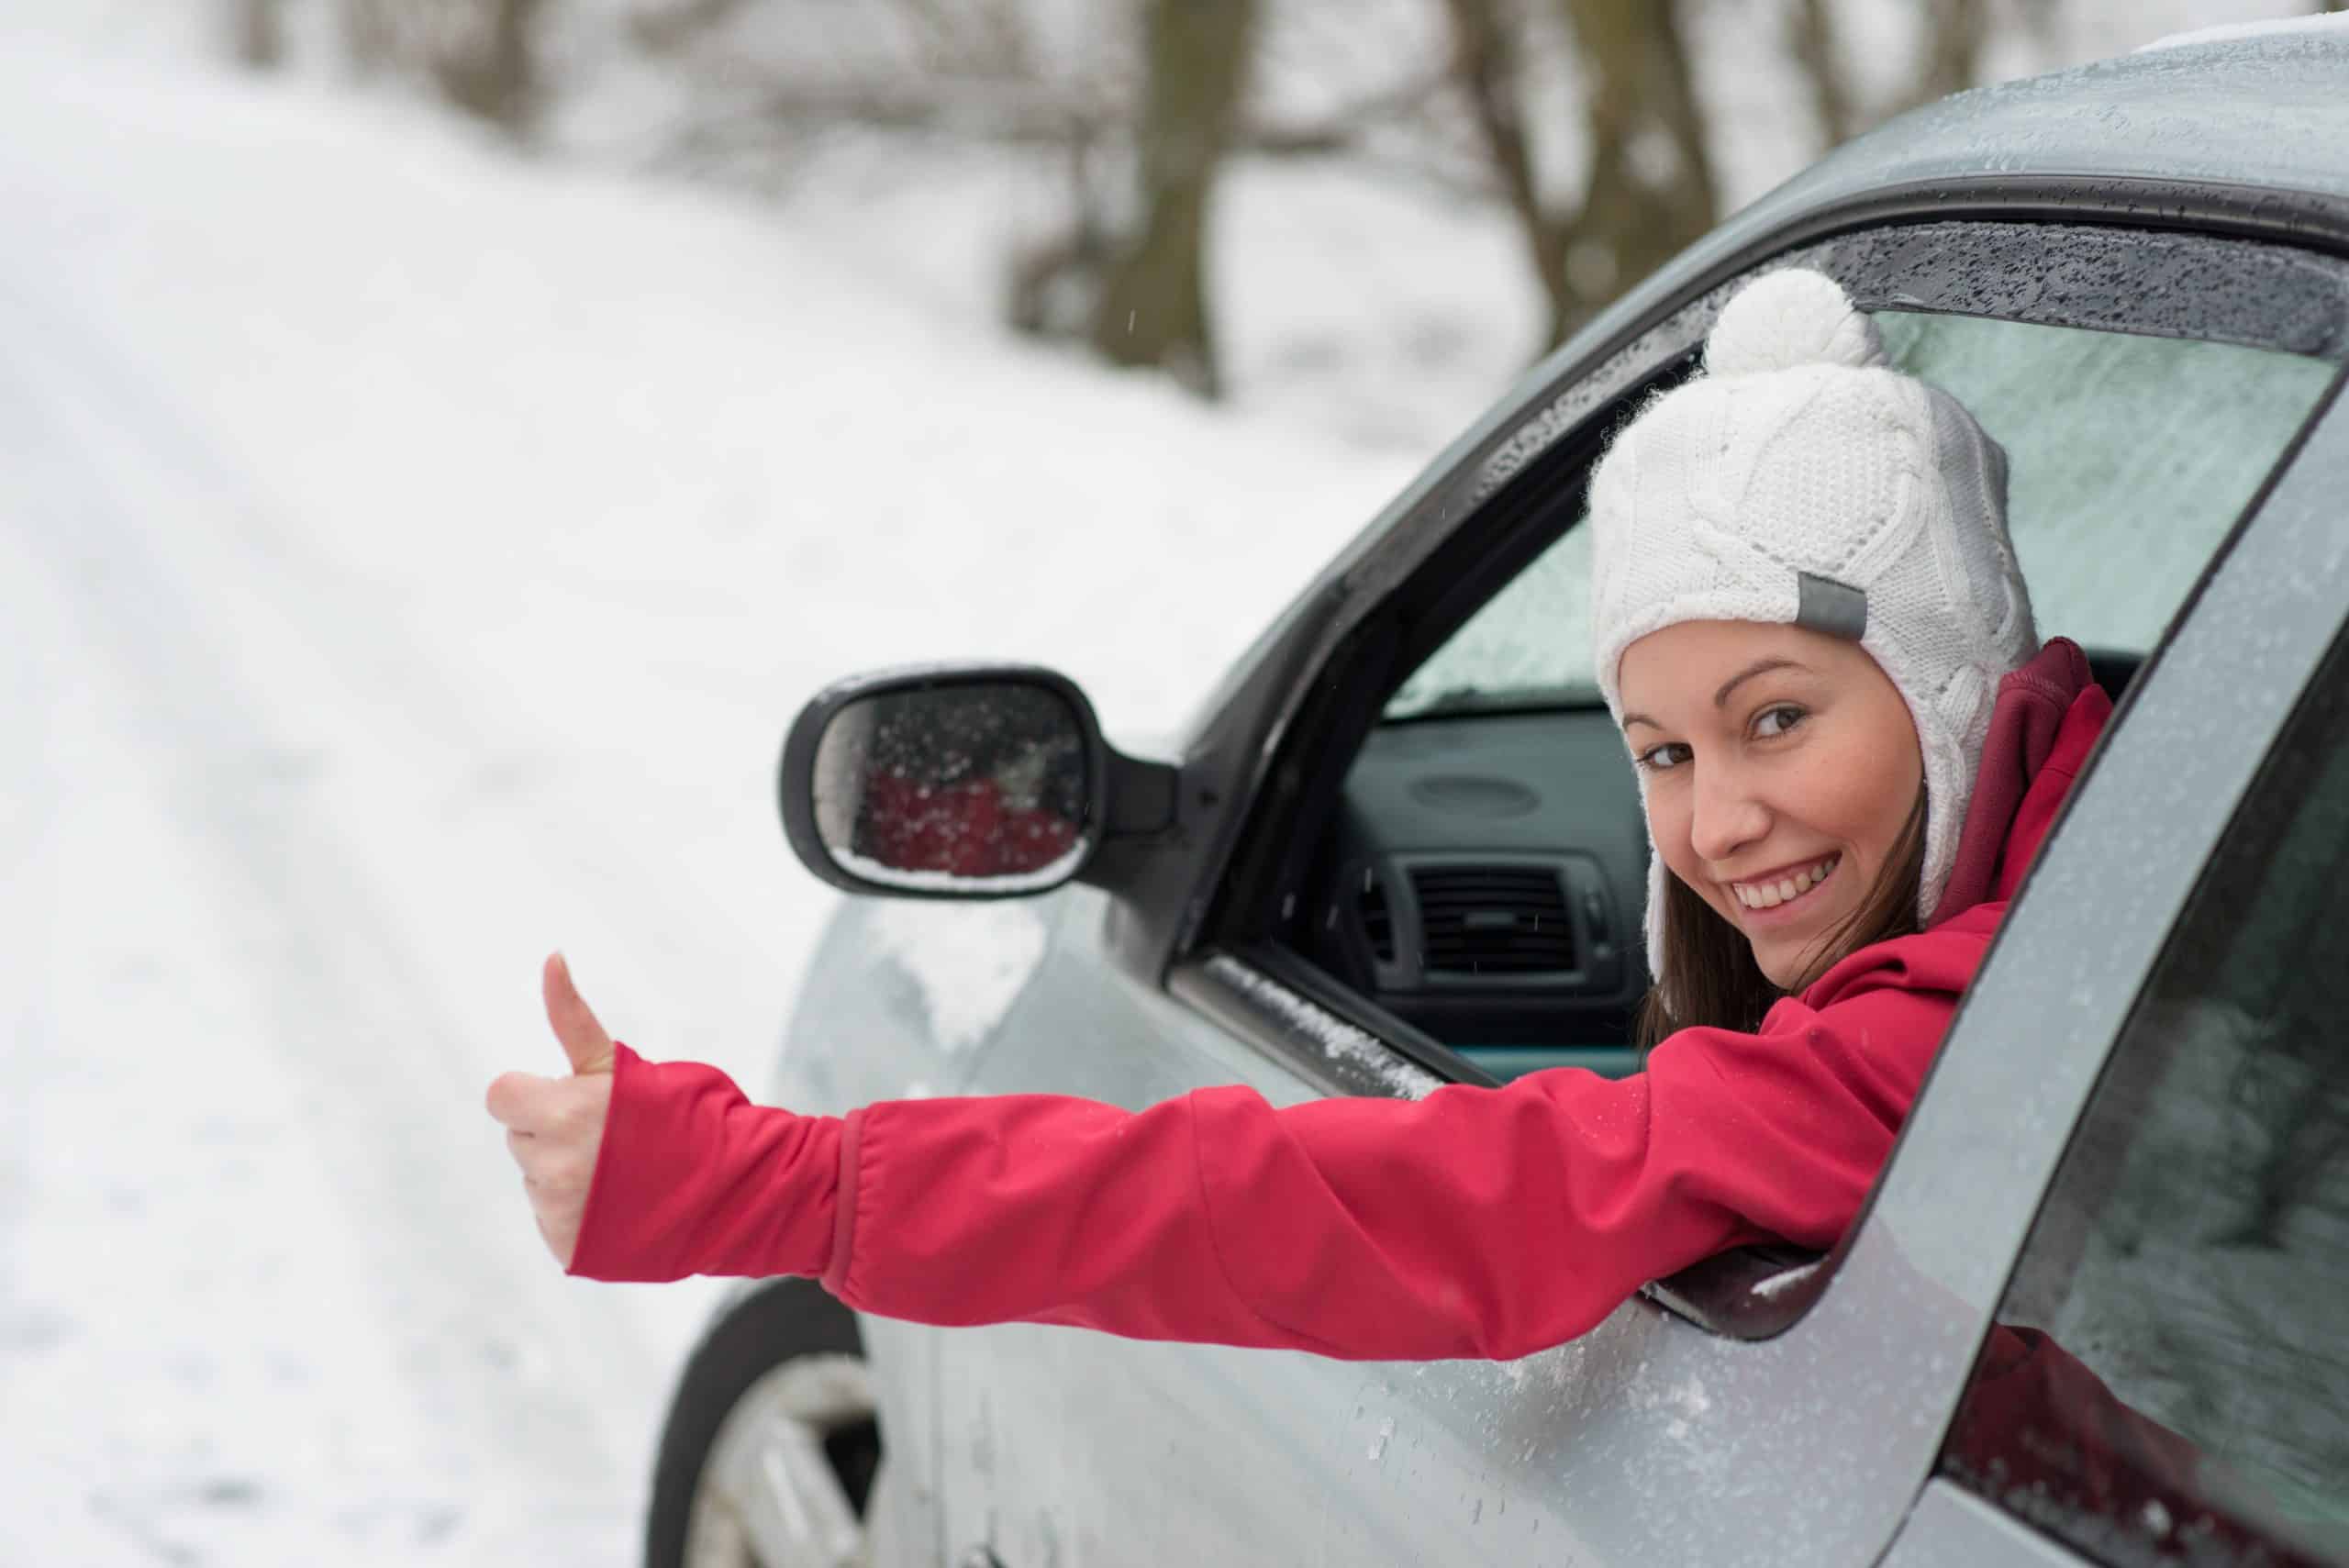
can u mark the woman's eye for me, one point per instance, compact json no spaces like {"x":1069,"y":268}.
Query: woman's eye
{"x":1656,"y":758}
{"x":1775,"y":721}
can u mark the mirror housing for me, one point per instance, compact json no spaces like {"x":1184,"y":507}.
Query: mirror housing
{"x":961,"y":781}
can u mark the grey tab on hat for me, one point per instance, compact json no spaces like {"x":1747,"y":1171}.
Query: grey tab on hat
{"x":1836,"y":608}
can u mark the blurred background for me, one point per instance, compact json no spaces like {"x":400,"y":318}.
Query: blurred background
{"x":443,"y":441}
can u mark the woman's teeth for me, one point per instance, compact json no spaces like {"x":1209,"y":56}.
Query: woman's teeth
{"x":1770,"y":894}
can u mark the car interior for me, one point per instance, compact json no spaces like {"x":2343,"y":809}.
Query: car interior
{"x":1474,"y":882}
{"x":1484,"y":877}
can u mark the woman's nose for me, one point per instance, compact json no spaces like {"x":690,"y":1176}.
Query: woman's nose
{"x":1727,"y":814}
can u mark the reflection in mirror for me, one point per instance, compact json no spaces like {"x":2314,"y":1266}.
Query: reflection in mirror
{"x":976,"y":787}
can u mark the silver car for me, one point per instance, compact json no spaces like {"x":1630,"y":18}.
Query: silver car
{"x":1401,"y":845}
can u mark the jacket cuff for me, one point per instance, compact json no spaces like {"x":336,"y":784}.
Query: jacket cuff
{"x":691,"y":1178}
{"x":844,"y":1203}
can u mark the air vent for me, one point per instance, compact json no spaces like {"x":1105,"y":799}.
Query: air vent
{"x":1377,"y":923}
{"x":1494,"y":919}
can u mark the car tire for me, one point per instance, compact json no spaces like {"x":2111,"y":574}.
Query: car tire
{"x":772,"y":1441}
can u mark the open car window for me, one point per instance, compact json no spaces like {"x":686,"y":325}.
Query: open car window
{"x":1446,"y":861}
{"x":1480,"y":881}
{"x":2129,"y":459}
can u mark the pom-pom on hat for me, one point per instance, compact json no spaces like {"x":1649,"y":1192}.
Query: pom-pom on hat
{"x":1802,"y":481}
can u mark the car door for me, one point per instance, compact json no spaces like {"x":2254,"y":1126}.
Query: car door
{"x":1749,"y":1412}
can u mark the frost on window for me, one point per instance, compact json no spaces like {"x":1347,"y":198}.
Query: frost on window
{"x":2129,"y":459}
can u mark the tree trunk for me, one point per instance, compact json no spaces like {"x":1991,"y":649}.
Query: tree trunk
{"x":1487,"y":61}
{"x":1952,"y":49}
{"x":1949,"y":55}
{"x":1649,"y":185}
{"x":1811,"y":38}
{"x":1154,"y":306}
{"x":370,"y":44}
{"x":1650,"y":189}
{"x":492,"y":70}
{"x":260,"y":34}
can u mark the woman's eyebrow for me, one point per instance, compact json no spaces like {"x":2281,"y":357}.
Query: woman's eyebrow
{"x":1759,"y":667}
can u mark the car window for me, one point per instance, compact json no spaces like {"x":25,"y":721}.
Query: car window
{"x":2129,"y":459}
{"x":2169,"y":1369}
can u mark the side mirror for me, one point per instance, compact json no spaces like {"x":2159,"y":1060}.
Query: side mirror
{"x":981,"y":781}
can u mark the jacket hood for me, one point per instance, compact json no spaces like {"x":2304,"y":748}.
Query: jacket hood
{"x":2048,"y":715}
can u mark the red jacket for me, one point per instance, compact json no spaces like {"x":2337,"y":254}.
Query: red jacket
{"x":1484,"y":1222}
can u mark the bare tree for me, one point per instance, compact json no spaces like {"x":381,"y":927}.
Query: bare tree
{"x":370,"y":34}
{"x":1811,"y":38}
{"x":482,"y":56}
{"x":1153,"y":305}
{"x":1648,"y":184}
{"x":1134,"y":105}
{"x":1053,"y":283}
{"x":1955,"y":31}
{"x":259,"y":33}
{"x":1948,"y":60}
{"x":485,"y":61}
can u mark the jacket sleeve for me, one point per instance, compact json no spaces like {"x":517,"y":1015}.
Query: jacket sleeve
{"x":1474,"y":1223}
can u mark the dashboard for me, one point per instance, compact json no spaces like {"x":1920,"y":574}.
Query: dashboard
{"x":1483,"y":880}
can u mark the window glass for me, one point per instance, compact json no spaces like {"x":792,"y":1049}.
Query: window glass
{"x":2169,"y":1374}
{"x":2129,"y":458}
{"x":1528,"y":646}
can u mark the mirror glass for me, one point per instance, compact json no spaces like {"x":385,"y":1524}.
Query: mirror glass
{"x":975,"y":787}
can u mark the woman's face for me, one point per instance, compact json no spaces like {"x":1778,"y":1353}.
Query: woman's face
{"x":1781,"y":766}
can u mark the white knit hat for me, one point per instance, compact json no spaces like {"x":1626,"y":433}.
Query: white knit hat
{"x":1800,"y":481}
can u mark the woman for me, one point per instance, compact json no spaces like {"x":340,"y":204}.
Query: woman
{"x":1812,"y":629}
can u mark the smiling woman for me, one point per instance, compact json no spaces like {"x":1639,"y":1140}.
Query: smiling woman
{"x":1785,"y":795}
{"x":1805,"y":601}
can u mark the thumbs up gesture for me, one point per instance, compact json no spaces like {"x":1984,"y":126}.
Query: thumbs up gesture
{"x":554,"y":1126}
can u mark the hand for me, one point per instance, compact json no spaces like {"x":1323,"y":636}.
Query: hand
{"x":554,"y":1126}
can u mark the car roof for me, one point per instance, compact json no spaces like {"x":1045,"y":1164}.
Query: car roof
{"x":2267,"y":110}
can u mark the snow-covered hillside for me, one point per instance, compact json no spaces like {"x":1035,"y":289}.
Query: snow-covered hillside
{"x":412,"y":559}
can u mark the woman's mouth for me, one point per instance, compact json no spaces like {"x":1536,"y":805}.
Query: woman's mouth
{"x":1787,"y":888}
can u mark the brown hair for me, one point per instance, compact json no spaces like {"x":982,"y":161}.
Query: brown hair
{"x":1715,"y":981}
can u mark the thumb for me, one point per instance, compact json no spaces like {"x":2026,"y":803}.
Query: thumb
{"x":584,"y":1039}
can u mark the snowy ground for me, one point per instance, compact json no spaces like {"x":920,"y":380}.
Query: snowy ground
{"x":410,"y":560}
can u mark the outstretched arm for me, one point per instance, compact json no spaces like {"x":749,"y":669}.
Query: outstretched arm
{"x":1476,"y":1222}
